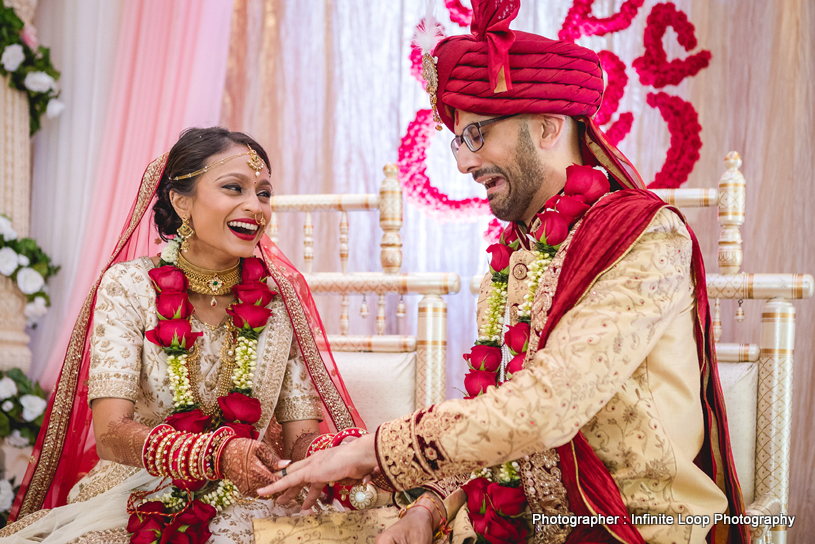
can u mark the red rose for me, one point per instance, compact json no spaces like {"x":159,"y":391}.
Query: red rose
{"x":500,"y":258}
{"x":190,"y":485}
{"x":243,"y":430}
{"x":476,"y":491}
{"x":176,"y":333}
{"x":169,"y":279}
{"x":249,"y":316}
{"x":571,"y":208}
{"x":509,"y":236}
{"x":197,"y":512}
{"x":477,"y":381}
{"x":173,"y":306}
{"x":146,"y":523}
{"x":253,"y":292}
{"x":484,"y":358}
{"x":517,"y":338}
{"x":507,"y":501}
{"x":239,"y":407}
{"x":498,"y":530}
{"x":553,"y":230}
{"x":193,"y":421}
{"x":516,"y":364}
{"x":175,"y":533}
{"x":586,"y":181}
{"x":253,"y":269}
{"x":551,"y":203}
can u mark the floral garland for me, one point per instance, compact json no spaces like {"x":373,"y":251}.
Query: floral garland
{"x":495,"y":497}
{"x":189,"y":506}
{"x":29,"y":66}
{"x":417,"y":186}
{"x":22,"y":260}
{"x":459,"y":13}
{"x":580,"y":22}
{"x":683,"y":123}
{"x":653,"y":67}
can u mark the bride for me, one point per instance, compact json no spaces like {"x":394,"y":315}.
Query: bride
{"x":197,"y":372}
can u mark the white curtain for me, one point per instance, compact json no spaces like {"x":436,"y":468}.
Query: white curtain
{"x":82,"y":35}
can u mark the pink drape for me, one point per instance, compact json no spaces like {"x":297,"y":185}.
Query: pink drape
{"x":170,"y":71}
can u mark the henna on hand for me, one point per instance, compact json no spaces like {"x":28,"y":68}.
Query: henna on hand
{"x":300,"y":446}
{"x":124,"y":441}
{"x":249,"y":465}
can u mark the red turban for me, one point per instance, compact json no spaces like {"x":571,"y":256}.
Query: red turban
{"x":498,"y":71}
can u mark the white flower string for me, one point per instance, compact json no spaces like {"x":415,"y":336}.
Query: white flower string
{"x":491,"y":330}
{"x":538,"y":266}
{"x":246,"y":359}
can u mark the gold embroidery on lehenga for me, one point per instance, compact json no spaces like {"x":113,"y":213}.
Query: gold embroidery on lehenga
{"x":102,"y":477}
{"x":66,"y":387}
{"x":298,"y":408}
{"x":21,"y":524}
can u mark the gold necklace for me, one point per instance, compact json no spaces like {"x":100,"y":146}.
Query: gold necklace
{"x":224,"y":372}
{"x":210,"y":282}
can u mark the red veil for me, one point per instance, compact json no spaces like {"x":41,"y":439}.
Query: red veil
{"x":65,"y":449}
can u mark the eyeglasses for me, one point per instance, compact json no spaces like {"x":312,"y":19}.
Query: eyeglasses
{"x":472,"y":136}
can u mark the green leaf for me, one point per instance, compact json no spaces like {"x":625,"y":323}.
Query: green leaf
{"x":5,"y":426}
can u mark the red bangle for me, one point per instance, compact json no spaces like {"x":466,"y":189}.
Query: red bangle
{"x":345,"y":433}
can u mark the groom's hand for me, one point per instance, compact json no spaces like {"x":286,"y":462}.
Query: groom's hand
{"x":354,"y":460}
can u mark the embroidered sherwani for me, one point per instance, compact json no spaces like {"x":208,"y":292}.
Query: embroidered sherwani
{"x":125,"y":365}
{"x":621,"y":366}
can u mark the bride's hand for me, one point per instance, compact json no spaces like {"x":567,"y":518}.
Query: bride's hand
{"x":354,"y":460}
{"x":249,"y":465}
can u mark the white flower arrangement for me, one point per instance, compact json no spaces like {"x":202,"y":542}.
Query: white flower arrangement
{"x":22,"y":260}
{"x":29,"y":66}
{"x":8,"y":388}
{"x":33,"y":406}
{"x":13,"y":57}
{"x":22,"y":408}
{"x":170,"y":252}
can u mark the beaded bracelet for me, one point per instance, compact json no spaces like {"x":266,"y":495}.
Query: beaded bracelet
{"x":322,"y":442}
{"x":343,"y":434}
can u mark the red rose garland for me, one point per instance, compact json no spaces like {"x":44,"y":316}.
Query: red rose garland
{"x":584,"y":186}
{"x":683,"y":123}
{"x":495,"y":497}
{"x":653,"y":66}
{"x":152,"y":521}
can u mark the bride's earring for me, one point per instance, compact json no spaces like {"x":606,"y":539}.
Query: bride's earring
{"x":185,"y":232}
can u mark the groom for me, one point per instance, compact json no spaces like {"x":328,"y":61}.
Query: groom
{"x":613,"y":406}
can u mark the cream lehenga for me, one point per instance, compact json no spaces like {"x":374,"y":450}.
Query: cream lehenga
{"x":67,"y":494}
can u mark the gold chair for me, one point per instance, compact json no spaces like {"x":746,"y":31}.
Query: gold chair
{"x":387,"y":376}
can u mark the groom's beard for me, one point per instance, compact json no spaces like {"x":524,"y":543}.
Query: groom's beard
{"x":524,"y":176}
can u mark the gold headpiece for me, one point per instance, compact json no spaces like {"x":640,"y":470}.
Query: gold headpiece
{"x":427,"y":36}
{"x":254,"y":162}
{"x":431,"y":78}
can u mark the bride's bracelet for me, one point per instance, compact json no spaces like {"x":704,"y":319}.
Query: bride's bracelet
{"x":345,"y":433}
{"x":185,"y":456}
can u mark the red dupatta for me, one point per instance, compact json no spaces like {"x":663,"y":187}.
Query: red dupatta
{"x":65,"y":449}
{"x":591,"y":488}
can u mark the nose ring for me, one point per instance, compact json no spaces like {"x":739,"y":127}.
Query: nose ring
{"x":262,"y":220}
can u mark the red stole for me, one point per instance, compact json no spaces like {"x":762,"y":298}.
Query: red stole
{"x":590,"y":486}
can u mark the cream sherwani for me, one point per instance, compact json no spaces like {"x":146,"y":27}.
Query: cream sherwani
{"x":620,"y":366}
